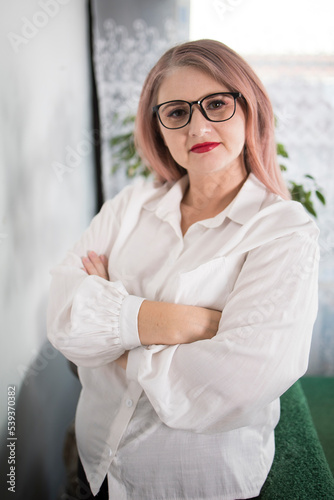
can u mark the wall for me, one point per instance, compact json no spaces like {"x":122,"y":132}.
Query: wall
{"x":46,"y":200}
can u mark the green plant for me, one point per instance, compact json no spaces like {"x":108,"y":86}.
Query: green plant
{"x":298,"y":191}
{"x":124,"y":151}
{"x":126,"y":156}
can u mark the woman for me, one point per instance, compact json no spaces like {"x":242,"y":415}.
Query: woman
{"x":188,"y":304}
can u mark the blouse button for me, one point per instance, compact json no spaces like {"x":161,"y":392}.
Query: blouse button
{"x":110,"y":453}
{"x":129,"y":403}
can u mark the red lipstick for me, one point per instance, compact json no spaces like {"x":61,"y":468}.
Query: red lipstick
{"x":204,"y":147}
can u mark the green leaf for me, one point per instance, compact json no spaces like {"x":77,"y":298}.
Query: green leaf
{"x":297,"y":191}
{"x":126,"y":153}
{"x":309,"y":177}
{"x":320,"y":197}
{"x":281,"y":151}
{"x":129,"y":119}
{"x":308,"y":196}
{"x":309,"y":207}
{"x":118,"y":139}
{"x":146,"y":172}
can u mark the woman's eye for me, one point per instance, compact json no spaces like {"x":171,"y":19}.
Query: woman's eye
{"x":216,"y":105}
{"x":176,"y":113}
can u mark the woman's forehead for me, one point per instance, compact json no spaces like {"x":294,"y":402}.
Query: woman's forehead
{"x":188,"y":83}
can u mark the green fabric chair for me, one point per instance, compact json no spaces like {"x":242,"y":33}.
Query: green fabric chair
{"x":300,"y":470}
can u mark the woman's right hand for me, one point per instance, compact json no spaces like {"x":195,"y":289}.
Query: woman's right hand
{"x":96,"y":265}
{"x":170,"y":324}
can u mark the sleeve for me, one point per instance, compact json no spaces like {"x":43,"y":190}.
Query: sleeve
{"x":261,"y":347}
{"x":92,"y":321}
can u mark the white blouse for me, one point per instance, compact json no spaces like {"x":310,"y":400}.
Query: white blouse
{"x":192,"y":421}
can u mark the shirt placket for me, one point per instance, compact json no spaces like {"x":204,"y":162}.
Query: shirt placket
{"x":121,"y":421}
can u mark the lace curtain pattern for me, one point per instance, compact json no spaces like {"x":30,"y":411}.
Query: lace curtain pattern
{"x":122,"y":60}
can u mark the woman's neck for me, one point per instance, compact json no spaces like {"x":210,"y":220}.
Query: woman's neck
{"x":208,"y":195}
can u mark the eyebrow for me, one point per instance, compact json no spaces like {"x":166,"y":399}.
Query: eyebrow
{"x":170,"y":101}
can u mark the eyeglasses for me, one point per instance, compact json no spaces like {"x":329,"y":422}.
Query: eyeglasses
{"x":218,"y":107}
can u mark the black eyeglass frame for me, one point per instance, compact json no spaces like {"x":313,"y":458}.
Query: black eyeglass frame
{"x":235,"y":96}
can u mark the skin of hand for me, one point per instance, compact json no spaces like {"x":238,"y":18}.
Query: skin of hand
{"x":96,"y":264}
{"x":170,"y":324}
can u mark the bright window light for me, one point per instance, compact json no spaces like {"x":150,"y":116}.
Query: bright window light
{"x":266,"y":27}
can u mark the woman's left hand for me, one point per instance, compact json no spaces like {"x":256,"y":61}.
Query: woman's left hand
{"x":96,"y":264}
{"x":122,"y":361}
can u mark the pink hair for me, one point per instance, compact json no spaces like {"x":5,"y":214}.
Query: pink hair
{"x":231,"y":70}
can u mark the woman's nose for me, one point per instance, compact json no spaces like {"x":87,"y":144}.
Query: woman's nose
{"x":198,"y":125}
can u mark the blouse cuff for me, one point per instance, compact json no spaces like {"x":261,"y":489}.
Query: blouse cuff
{"x":102,"y":307}
{"x":97,"y":305}
{"x":129,"y":336}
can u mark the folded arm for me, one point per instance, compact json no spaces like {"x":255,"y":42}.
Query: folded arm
{"x":94,"y":321}
{"x":162,"y":322}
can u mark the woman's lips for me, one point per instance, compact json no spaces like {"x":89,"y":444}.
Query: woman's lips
{"x":204,"y":147}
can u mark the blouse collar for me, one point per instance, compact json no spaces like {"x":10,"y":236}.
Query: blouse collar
{"x":243,"y":207}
